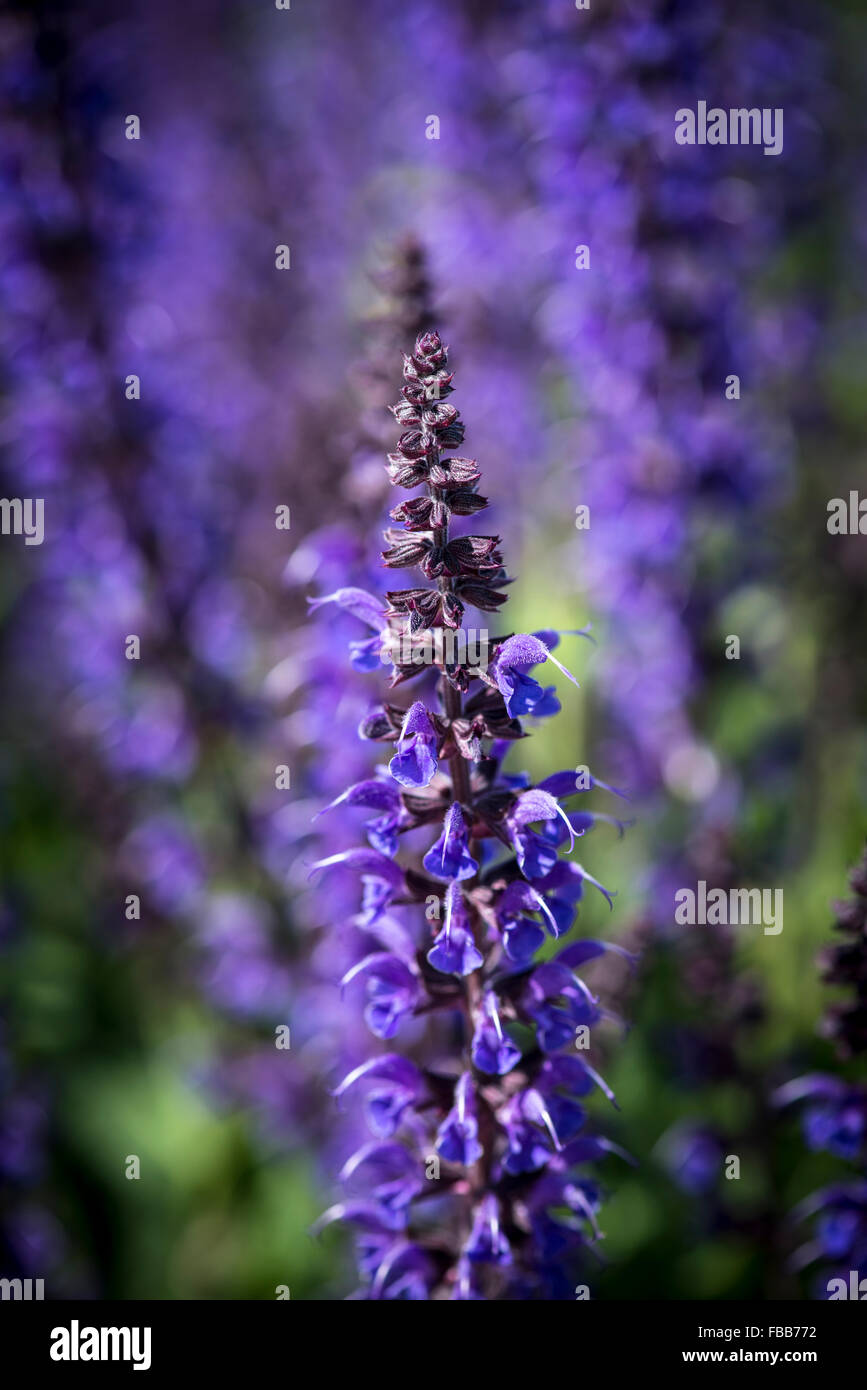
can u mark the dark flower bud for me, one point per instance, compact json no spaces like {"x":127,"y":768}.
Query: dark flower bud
{"x":455,"y":471}
{"x":451,"y":436}
{"x":434,"y":563}
{"x":452,"y":611}
{"x":405,"y":472}
{"x":426,"y":608}
{"x":472,"y":555}
{"x":429,"y":388}
{"x":462,"y":502}
{"x":459,"y":677}
{"x":405,"y":600}
{"x":425,"y":613}
{"x":481,"y":596}
{"x":439,"y":415}
{"x":405,"y":550}
{"x":421,"y":513}
{"x":413,"y":445}
{"x":377,"y":726}
{"x":429,"y":352}
{"x":426,"y":805}
{"x":415,"y":515}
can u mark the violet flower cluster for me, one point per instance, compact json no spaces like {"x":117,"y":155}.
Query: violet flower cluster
{"x":670,"y":466}
{"x":682,"y":483}
{"x":834,"y":1113}
{"x":472,"y":1182}
{"x":154,"y":506}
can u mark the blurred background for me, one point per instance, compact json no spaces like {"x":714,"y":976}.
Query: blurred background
{"x":220,"y":225}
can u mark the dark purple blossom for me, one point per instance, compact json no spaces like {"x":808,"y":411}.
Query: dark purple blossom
{"x":415,"y":762}
{"x":458,"y":1135}
{"x":400,"y":1084}
{"x":454,"y":951}
{"x":392,"y":988}
{"x":509,"y":669}
{"x":487,"y":1241}
{"x":493,"y":1050}
{"x":379,"y":795}
{"x":449,"y":858}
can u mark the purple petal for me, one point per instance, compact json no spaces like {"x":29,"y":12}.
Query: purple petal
{"x":365,"y":861}
{"x":376,"y":792}
{"x":581,"y":951}
{"x":391,"y":1067}
{"x":358,"y":602}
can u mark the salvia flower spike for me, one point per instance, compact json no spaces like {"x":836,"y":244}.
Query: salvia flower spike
{"x":834,"y":1109}
{"x":475,"y":1184}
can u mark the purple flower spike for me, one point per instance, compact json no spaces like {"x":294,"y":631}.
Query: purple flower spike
{"x":510,"y":1112}
{"x":834,"y":1114}
{"x":450,"y":857}
{"x":415,"y":761}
